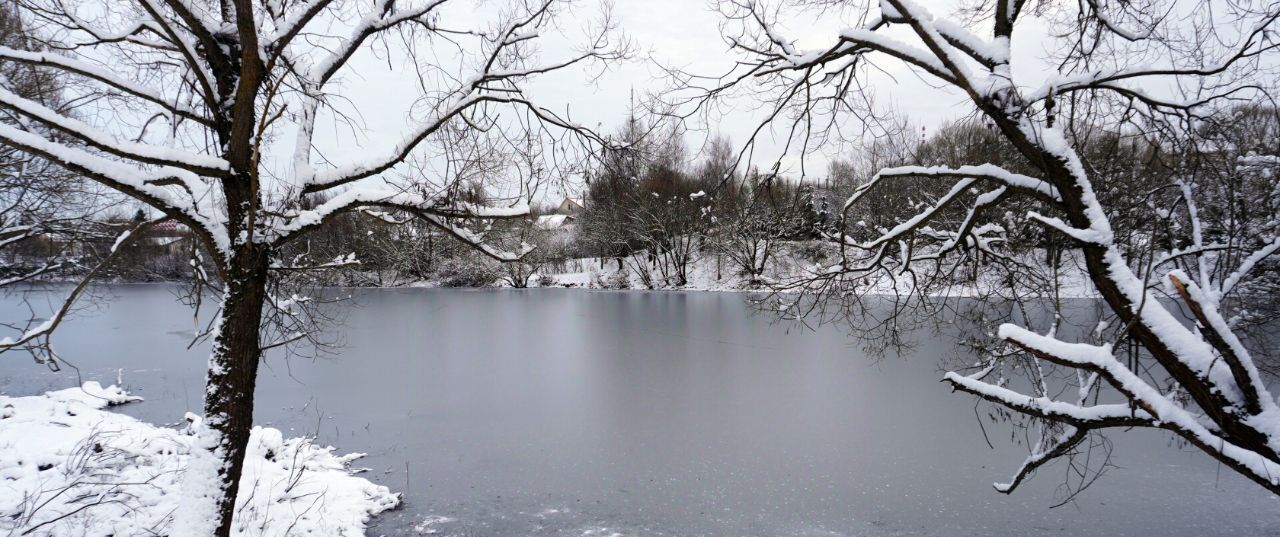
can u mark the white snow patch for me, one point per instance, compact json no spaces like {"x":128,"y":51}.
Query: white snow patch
{"x":428,"y":524}
{"x":70,"y":468}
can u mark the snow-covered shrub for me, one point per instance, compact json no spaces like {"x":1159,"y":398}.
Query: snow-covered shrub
{"x":467,"y":273}
{"x":613,"y":280}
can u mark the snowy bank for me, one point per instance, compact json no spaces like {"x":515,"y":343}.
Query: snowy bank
{"x":70,"y":468}
{"x":797,"y":262}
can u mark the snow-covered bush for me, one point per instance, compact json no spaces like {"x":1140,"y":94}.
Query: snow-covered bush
{"x":611,"y":280}
{"x":471,"y":272}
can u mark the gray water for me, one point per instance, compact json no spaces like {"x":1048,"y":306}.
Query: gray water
{"x":578,"y":413}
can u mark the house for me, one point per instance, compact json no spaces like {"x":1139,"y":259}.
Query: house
{"x":171,"y":237}
{"x":552,"y":222}
{"x":172,"y":245}
{"x":571,"y":206}
{"x":555,"y":230}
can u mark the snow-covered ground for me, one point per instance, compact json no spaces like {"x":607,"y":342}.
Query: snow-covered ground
{"x":71,"y":467}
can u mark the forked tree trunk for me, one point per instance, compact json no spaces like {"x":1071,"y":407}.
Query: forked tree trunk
{"x":218,"y":460}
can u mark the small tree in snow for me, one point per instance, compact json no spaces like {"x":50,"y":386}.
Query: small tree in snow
{"x":187,"y":105}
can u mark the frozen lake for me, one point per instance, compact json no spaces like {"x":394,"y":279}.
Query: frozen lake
{"x":577,"y":413}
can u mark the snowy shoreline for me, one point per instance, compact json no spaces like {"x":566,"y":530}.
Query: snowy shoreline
{"x":71,"y":467}
{"x":705,"y":275}
{"x":791,"y":262}
{"x":960,"y":291}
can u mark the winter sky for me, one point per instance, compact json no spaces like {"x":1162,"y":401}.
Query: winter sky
{"x":674,"y":33}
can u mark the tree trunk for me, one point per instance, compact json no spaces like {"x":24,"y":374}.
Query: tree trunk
{"x":213,"y":474}
{"x":232,"y":379}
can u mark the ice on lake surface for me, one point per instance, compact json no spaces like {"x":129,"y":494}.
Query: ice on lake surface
{"x":575,"y":413}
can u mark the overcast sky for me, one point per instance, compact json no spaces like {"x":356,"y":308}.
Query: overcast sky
{"x":676,"y":33}
{"x":380,"y":87}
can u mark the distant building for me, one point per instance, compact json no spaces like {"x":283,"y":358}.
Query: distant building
{"x":559,"y":228}
{"x":552,"y":222}
{"x":171,"y":237}
{"x":172,"y":245}
{"x":170,"y":228}
{"x":571,"y":207}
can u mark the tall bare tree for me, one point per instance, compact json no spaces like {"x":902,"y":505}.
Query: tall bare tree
{"x":194,"y":101}
{"x":1151,"y":74}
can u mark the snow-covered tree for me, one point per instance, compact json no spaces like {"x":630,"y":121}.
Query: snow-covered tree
{"x":207,"y":112}
{"x":1153,"y":74}
{"x":37,"y":199}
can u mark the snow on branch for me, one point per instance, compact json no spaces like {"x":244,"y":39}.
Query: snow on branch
{"x":1087,"y":236}
{"x":102,"y":75}
{"x":1150,"y":406}
{"x":1102,"y":415}
{"x":1099,"y":12}
{"x":312,"y":181}
{"x":1255,"y":42}
{"x":910,"y":224}
{"x":981,"y":171}
{"x":147,"y":185}
{"x":1059,"y":445}
{"x":1218,"y":333}
{"x":467,"y":236}
{"x":383,"y":16}
{"x":43,"y":269}
{"x":139,"y":152}
{"x":495,"y":82}
{"x":436,"y":211}
{"x":1247,"y":265}
{"x":344,"y":261}
{"x":966,"y":176}
{"x":872,"y":41}
{"x":990,"y":54}
{"x":1253,"y":161}
{"x":327,"y":179}
{"x":353,"y":199}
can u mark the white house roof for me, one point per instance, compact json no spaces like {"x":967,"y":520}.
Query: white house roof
{"x":553,"y":221}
